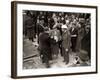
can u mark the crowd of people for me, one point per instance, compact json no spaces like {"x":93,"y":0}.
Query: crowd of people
{"x":59,"y":33}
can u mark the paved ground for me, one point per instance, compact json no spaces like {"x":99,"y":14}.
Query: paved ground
{"x":31,"y":59}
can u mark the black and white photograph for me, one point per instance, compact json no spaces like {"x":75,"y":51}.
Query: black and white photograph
{"x":56,"y":39}
{"x":53,"y":39}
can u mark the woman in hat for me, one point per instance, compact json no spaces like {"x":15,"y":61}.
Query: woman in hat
{"x":55,"y":38}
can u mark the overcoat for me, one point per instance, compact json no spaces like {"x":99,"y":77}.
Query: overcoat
{"x":66,"y":44}
{"x":66,"y":40}
{"x":56,"y":37}
{"x":29,"y":27}
{"x":44,"y":46}
{"x":86,"y":43}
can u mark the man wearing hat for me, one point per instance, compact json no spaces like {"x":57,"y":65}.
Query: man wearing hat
{"x":86,"y":40}
{"x":40,"y":26}
{"x":74,"y":34}
{"x":85,"y":52}
{"x":29,"y":26}
{"x":65,"y":43}
{"x":44,"y":46}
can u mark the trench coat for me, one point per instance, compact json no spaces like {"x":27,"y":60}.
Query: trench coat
{"x":66,"y":40}
{"x":66,"y":44}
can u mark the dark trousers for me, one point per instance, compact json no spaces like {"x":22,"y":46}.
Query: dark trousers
{"x":46,"y":56}
{"x":30,"y":34}
{"x":73,"y":41}
{"x":65,"y":55}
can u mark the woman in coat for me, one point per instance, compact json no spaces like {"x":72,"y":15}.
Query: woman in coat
{"x":55,"y":36}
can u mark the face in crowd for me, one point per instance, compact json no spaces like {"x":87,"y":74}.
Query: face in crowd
{"x":87,"y":28}
{"x":67,"y":22}
{"x":42,"y":22}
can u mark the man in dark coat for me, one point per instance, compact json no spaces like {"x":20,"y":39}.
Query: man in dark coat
{"x":74,"y":34}
{"x":29,"y":26}
{"x":44,"y":46}
{"x":40,"y":27}
{"x":86,"y":41}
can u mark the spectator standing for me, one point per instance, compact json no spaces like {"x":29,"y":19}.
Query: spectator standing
{"x":44,"y":46}
{"x":74,"y":34}
{"x":65,"y":43}
{"x":29,"y":25}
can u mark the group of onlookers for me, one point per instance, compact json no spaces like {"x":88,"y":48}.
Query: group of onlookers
{"x":59,"y":33}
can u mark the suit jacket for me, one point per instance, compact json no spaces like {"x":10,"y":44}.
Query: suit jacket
{"x":74,"y":31}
